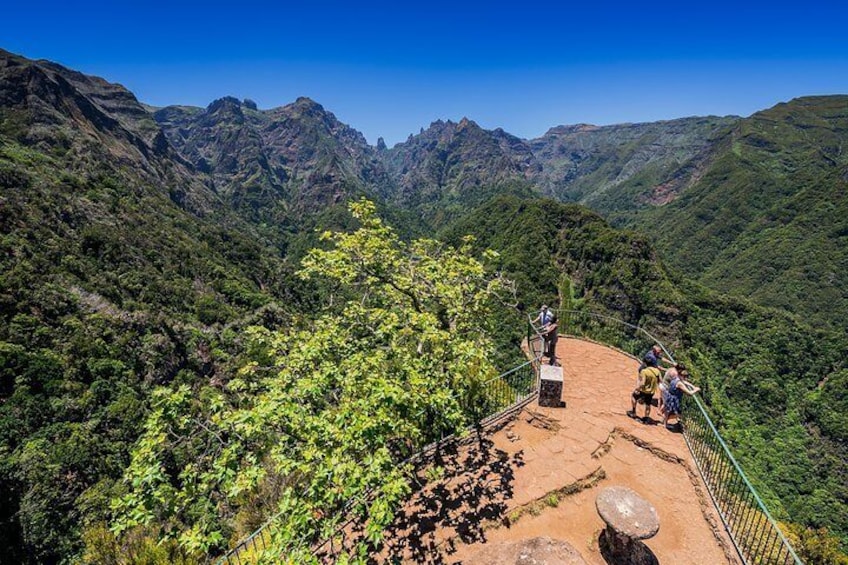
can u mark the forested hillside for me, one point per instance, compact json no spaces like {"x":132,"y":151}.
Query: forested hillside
{"x":768,"y":219}
{"x":750,"y":206}
{"x":138,"y":244}
{"x":120,"y":272}
{"x":622,"y":168}
{"x":777,"y":387}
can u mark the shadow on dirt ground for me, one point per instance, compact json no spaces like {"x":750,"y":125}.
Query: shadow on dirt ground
{"x":476,"y":483}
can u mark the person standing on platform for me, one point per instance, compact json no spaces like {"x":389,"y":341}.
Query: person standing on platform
{"x":646,"y":386}
{"x":551,"y":338}
{"x":674,"y":397}
{"x":544,"y":316}
{"x":670,"y":374}
{"x":655,"y":353}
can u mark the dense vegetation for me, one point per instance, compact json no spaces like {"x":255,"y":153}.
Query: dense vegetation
{"x":768,"y":217}
{"x":776,"y":386}
{"x":327,"y":411}
{"x":752,"y":206}
{"x":127,"y":267}
{"x":108,"y":288}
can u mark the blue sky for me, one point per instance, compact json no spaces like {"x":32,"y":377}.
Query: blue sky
{"x":389,"y":69}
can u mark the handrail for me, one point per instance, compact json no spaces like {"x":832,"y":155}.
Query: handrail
{"x":753,"y":531}
{"x":498,"y":388}
{"x":755,"y":534}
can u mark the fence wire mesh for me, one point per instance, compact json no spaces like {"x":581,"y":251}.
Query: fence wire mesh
{"x":755,"y":534}
{"x":484,"y":402}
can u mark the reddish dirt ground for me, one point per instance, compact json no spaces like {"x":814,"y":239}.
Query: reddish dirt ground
{"x":539,"y":475}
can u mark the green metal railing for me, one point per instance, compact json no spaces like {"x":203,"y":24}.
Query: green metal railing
{"x":504,"y":393}
{"x":755,"y":534}
{"x":485,"y":403}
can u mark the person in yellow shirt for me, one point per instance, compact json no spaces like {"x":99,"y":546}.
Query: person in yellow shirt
{"x":646,"y":386}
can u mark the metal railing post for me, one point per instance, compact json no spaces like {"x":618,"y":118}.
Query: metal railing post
{"x":754,"y":533}
{"x":507,"y":391}
{"x":752,"y":529}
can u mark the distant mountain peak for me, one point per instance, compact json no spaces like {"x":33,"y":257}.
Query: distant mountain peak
{"x":572,"y":128}
{"x":299,"y":154}
{"x":227,"y":105}
{"x":307,"y":104}
{"x":467,"y":124}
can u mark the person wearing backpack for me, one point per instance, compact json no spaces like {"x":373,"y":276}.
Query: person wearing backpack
{"x":646,"y":386}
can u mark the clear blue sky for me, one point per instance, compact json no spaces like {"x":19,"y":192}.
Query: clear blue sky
{"x":388,"y":69}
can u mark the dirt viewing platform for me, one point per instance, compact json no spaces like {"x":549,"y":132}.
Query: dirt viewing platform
{"x":538,"y":475}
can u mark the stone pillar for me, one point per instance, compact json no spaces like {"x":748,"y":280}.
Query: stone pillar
{"x":629,"y":518}
{"x":550,"y":386}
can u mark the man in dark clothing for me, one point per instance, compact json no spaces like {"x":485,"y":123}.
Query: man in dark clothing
{"x":551,"y":338}
{"x":653,"y":357}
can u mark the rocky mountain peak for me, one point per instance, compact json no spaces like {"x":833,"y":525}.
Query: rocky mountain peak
{"x":459,"y":161}
{"x":227,"y":106}
{"x":68,"y":108}
{"x":82,"y":119}
{"x":570,"y":129}
{"x":308,"y":107}
{"x":299,"y":154}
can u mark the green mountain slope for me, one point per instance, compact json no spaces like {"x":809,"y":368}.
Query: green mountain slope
{"x":613,"y":169}
{"x":777,"y":387}
{"x":754,"y":206}
{"x":619,"y":168}
{"x":133,"y":251}
{"x":769,"y":217}
{"x":119,"y":270}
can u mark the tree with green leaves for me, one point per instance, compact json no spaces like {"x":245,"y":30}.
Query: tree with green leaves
{"x":329,"y":409}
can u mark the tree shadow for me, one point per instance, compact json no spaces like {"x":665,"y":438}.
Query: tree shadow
{"x":475,"y":484}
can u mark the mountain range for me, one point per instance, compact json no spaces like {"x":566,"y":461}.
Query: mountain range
{"x":137,"y":242}
{"x":752,"y":206}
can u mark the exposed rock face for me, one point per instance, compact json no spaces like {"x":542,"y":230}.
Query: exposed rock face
{"x":297,"y":157}
{"x":456,"y":162}
{"x":534,"y":551}
{"x":93,"y":125}
{"x":609,"y":168}
{"x":451,"y":167}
